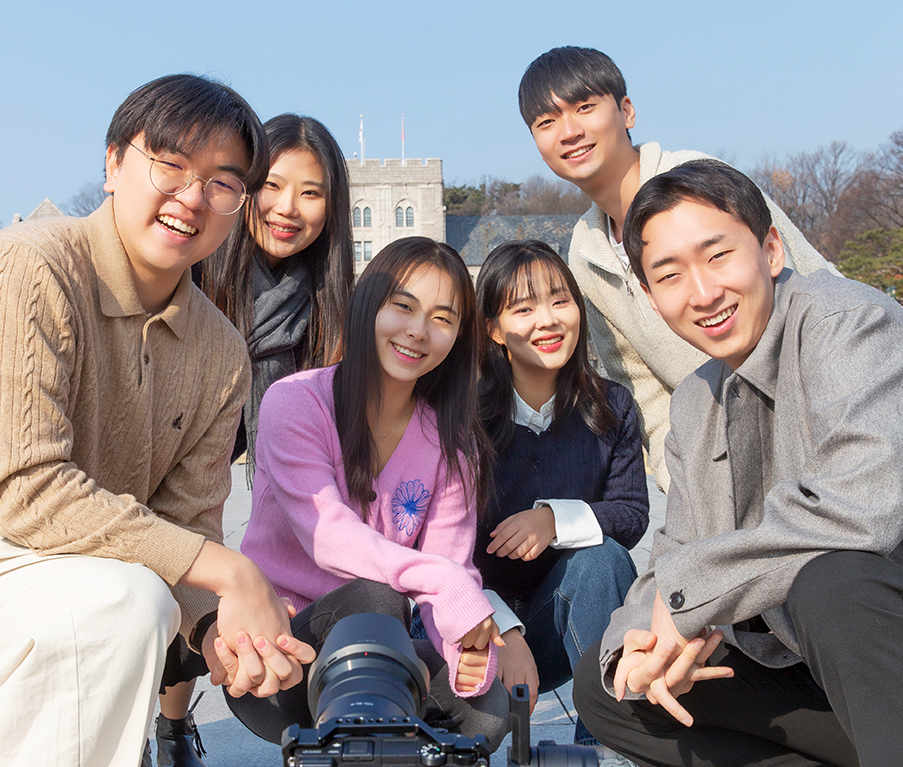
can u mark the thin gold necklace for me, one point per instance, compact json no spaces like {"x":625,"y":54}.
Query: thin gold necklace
{"x":398,"y":422}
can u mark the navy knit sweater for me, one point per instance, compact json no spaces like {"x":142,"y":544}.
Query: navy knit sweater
{"x":567,"y":461}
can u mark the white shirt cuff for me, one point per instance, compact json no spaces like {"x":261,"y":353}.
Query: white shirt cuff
{"x":504,"y":616}
{"x":576,"y":527}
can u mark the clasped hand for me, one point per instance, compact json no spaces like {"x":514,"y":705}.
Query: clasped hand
{"x":662,"y":665}
{"x":262,"y":662}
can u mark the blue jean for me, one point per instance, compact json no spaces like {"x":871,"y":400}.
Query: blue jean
{"x":570,"y":611}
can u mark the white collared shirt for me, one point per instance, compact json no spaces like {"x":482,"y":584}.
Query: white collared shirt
{"x":576,"y":527}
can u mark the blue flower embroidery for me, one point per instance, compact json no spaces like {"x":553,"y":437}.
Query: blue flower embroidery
{"x":409,"y":505}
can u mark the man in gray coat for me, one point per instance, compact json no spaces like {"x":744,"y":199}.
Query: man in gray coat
{"x":785,"y":514}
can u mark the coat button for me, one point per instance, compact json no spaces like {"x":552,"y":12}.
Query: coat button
{"x":676,"y":600}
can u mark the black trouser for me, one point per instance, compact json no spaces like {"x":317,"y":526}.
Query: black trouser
{"x":847,"y":608}
{"x":268,"y":717}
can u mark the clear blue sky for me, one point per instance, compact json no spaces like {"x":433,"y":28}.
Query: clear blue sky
{"x":719,"y":77}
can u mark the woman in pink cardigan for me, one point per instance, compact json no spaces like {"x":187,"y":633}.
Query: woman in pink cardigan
{"x":364,"y":496}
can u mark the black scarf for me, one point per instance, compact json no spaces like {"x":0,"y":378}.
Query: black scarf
{"x":281,"y":316}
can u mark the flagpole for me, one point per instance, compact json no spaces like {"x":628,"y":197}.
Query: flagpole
{"x":402,"y":138}
{"x":361,"y":139}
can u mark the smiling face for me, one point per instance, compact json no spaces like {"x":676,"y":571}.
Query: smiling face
{"x":710,"y":279}
{"x":539,"y":326}
{"x":163,"y":235}
{"x":585,"y":138}
{"x":292,"y":205}
{"x":417,"y":327}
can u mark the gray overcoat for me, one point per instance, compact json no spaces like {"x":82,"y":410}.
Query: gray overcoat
{"x":796,"y":453}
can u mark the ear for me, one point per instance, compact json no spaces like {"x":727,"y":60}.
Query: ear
{"x":492,"y":328}
{"x":112,"y":168}
{"x":649,"y":295}
{"x":774,"y":251}
{"x":629,"y":112}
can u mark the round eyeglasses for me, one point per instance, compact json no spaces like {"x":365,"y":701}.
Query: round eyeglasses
{"x":172,"y":174}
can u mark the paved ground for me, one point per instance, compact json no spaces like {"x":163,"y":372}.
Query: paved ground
{"x":229,"y":744}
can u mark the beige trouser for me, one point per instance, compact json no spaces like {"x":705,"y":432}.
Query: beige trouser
{"x":82,"y":646}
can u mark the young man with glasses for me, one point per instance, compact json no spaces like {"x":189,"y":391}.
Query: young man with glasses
{"x":575,"y":102}
{"x":120,"y":391}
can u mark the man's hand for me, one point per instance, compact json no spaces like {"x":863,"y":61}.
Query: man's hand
{"x":524,"y":535}
{"x":258,"y":660}
{"x":664,"y":667}
{"x":252,"y":623}
{"x":516,"y":664}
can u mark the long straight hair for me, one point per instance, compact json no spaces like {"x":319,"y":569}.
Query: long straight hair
{"x":450,"y":388}
{"x":225,"y":275}
{"x":508,"y":274}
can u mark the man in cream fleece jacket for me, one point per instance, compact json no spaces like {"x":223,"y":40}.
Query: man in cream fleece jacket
{"x":575,"y":102}
{"x":120,"y":391}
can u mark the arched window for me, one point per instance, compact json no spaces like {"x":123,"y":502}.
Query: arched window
{"x":356,"y":217}
{"x":399,"y":217}
{"x":409,"y":217}
{"x":368,"y":221}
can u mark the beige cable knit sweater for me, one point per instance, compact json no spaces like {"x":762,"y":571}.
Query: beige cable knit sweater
{"x":115,"y":427}
{"x":634,"y":345}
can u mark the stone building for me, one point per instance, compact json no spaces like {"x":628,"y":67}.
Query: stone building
{"x":47,"y":209}
{"x":390,"y":200}
{"x":475,"y":236}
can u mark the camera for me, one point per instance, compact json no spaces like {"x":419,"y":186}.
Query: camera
{"x":368,"y":691}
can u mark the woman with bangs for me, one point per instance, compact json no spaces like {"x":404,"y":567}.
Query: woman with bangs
{"x":569,"y":493}
{"x":365,"y":496}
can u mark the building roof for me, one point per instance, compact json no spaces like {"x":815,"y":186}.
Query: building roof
{"x":475,"y":236}
{"x":45,"y":210}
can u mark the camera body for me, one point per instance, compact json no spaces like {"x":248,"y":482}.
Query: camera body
{"x":397,"y":741}
{"x":368,"y":689}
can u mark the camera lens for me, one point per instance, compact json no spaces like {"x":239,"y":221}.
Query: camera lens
{"x":367,"y":668}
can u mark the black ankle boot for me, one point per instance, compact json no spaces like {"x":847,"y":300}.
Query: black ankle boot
{"x":178,"y":743}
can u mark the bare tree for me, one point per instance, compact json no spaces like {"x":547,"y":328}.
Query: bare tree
{"x":86,"y":200}
{"x":881,"y":188}
{"x":540,"y":196}
{"x":819,"y":191}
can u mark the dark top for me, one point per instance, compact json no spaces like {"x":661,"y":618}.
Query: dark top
{"x":567,"y":461}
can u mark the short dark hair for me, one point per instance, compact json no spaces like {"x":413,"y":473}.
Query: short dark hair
{"x":182,"y":113}
{"x":572,"y":74}
{"x":710,"y":182}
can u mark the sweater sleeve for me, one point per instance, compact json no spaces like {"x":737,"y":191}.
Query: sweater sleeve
{"x":300,"y":458}
{"x":47,"y":502}
{"x":450,"y":530}
{"x":50,"y":504}
{"x":193,"y":492}
{"x":623,"y":511}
